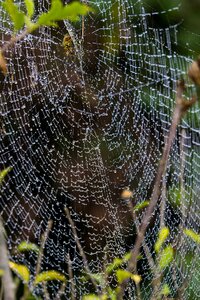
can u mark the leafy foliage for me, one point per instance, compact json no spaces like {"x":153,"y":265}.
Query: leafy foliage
{"x":163,"y":234}
{"x":49,"y":275}
{"x":57,"y":12}
{"x":20,"y":270}
{"x":193,"y":235}
{"x":166,"y":257}
{"x":24,"y":246}
{"x":4,"y":173}
{"x":16,"y":16}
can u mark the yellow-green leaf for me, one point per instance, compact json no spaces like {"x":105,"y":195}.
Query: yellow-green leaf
{"x":25,"y":246}
{"x":20,"y":270}
{"x":91,"y":297}
{"x":4,"y":173}
{"x":136,"y":278}
{"x":166,"y":256}
{"x":193,"y":235}
{"x":162,"y":236}
{"x":16,"y":16}
{"x":123,"y":275}
{"x":49,"y":275}
{"x":30,"y":7}
{"x":1,"y":272}
{"x":59,"y":12}
{"x":141,"y":205}
{"x":165,"y":291}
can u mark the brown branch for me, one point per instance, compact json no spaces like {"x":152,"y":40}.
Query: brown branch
{"x":180,"y":109}
{"x":81,"y":251}
{"x":71,"y":278}
{"x":43,"y":241}
{"x":7,"y":280}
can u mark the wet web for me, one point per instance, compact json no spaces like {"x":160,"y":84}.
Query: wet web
{"x":78,"y":128}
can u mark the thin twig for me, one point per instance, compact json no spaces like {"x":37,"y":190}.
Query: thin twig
{"x":43,"y":241}
{"x":181,"y":108}
{"x":14,"y":39}
{"x":71,"y":278}
{"x":81,"y":251}
{"x":7,"y":281}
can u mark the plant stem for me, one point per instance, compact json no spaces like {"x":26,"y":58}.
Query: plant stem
{"x":81,"y":251}
{"x":180,"y":109}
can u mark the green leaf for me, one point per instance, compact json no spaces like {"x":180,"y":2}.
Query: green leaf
{"x":20,"y":270}
{"x":165,"y":291}
{"x":166,"y":256}
{"x":1,"y":272}
{"x":30,"y":7}
{"x":49,"y":275}
{"x":25,"y":246}
{"x":117,"y":262}
{"x":4,"y":173}
{"x":193,"y":235}
{"x":141,"y":205}
{"x":91,"y":297}
{"x":123,"y":275}
{"x":162,"y":236}
{"x":16,"y":16}
{"x":59,"y":12}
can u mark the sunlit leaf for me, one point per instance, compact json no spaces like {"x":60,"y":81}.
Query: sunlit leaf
{"x":4,"y":173}
{"x":162,"y":236}
{"x":59,"y":12}
{"x":117,"y":262}
{"x":25,"y":246}
{"x":141,"y":205}
{"x":30,"y":7}
{"x":49,"y":275}
{"x":123,"y":275}
{"x":16,"y":16}
{"x":193,"y":235}
{"x":165,"y":291}
{"x":166,"y":256}
{"x":98,"y":277}
{"x":91,"y":297}
{"x":20,"y":270}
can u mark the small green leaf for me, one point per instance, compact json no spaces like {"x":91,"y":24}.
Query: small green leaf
{"x":98,"y":277}
{"x":59,"y":12}
{"x":193,"y":235}
{"x":4,"y":173}
{"x":141,"y":205}
{"x":117,"y":262}
{"x":1,"y":272}
{"x":49,"y":275}
{"x":162,"y":236}
{"x":20,"y":270}
{"x":91,"y":297}
{"x":30,"y":7}
{"x":166,"y":256}
{"x":123,"y":275}
{"x":165,"y":291}
{"x":25,"y":246}
{"x":16,"y":16}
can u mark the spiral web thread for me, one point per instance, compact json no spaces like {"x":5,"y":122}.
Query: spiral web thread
{"x":79,"y":128}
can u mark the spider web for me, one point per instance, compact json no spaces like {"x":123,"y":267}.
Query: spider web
{"x":80,"y":128}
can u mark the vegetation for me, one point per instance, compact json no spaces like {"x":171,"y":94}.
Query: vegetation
{"x":121,"y":269}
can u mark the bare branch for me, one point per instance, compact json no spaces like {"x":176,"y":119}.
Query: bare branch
{"x":180,"y":109}
{"x":81,"y":251}
{"x":43,"y":241}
